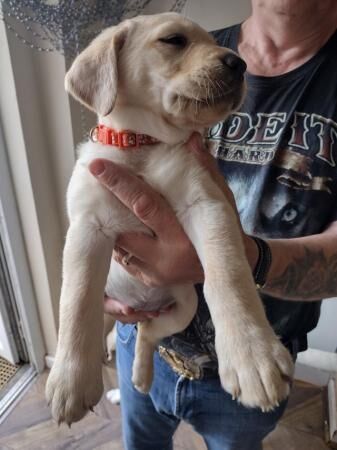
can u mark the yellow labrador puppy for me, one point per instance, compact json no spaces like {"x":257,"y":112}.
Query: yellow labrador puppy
{"x":162,"y":77}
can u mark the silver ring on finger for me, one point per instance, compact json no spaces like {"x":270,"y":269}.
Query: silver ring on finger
{"x":126,"y":259}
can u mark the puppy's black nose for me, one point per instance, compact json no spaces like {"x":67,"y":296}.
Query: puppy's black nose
{"x":235,"y":63}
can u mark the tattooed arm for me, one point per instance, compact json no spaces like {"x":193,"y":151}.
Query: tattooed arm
{"x":303,"y":268}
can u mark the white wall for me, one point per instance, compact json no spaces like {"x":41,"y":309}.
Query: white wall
{"x":210,"y":14}
{"x":214,"y":14}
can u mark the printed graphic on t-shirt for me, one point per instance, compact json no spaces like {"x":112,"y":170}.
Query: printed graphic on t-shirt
{"x":253,"y":140}
{"x":286,"y":158}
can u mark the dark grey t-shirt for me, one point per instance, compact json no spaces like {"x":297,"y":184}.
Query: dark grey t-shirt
{"x":278,"y":154}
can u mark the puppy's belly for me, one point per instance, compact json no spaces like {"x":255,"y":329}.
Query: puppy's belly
{"x":128,"y":290}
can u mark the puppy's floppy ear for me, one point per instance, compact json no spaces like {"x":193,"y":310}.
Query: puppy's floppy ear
{"x":92,"y":79}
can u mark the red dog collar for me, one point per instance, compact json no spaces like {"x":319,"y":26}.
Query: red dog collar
{"x":123,"y":139}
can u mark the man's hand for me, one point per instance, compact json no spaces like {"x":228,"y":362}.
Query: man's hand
{"x":167,"y":257}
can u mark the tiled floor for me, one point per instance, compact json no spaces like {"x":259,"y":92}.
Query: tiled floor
{"x":30,"y":426}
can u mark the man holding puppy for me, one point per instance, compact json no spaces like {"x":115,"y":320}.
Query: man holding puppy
{"x":278,"y":155}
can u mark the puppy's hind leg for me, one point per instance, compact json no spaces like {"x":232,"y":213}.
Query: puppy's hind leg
{"x":152,"y":331}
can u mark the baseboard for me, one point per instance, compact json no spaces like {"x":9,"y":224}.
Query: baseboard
{"x":316,"y":366}
{"x":49,"y":360}
{"x":319,"y":359}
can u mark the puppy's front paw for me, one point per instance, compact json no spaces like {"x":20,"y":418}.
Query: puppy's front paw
{"x":256,"y":372}
{"x":72,"y":389}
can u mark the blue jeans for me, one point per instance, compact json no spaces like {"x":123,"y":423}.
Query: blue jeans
{"x":149,"y":421}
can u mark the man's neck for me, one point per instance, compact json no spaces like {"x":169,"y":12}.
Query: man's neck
{"x":281,"y":35}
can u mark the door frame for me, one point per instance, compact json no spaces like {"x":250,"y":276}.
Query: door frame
{"x":14,"y":248}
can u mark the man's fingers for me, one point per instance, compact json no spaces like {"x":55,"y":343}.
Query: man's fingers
{"x":134,"y":193}
{"x":196,"y":145}
{"x":133,"y":265}
{"x":126,"y":314}
{"x":112,"y":306}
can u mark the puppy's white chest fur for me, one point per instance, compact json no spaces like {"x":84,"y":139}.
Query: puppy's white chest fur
{"x":170,"y":170}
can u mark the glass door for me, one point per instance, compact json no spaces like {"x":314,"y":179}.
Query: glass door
{"x":12,"y":345}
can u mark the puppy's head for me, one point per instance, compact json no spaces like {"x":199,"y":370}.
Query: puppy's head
{"x":162,"y":63}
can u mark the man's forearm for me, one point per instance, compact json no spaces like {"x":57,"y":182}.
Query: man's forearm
{"x":304,"y":268}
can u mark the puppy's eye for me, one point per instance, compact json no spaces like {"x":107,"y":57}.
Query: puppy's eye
{"x":177,"y":40}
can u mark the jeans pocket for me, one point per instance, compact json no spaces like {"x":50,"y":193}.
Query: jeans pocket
{"x":125,"y":332}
